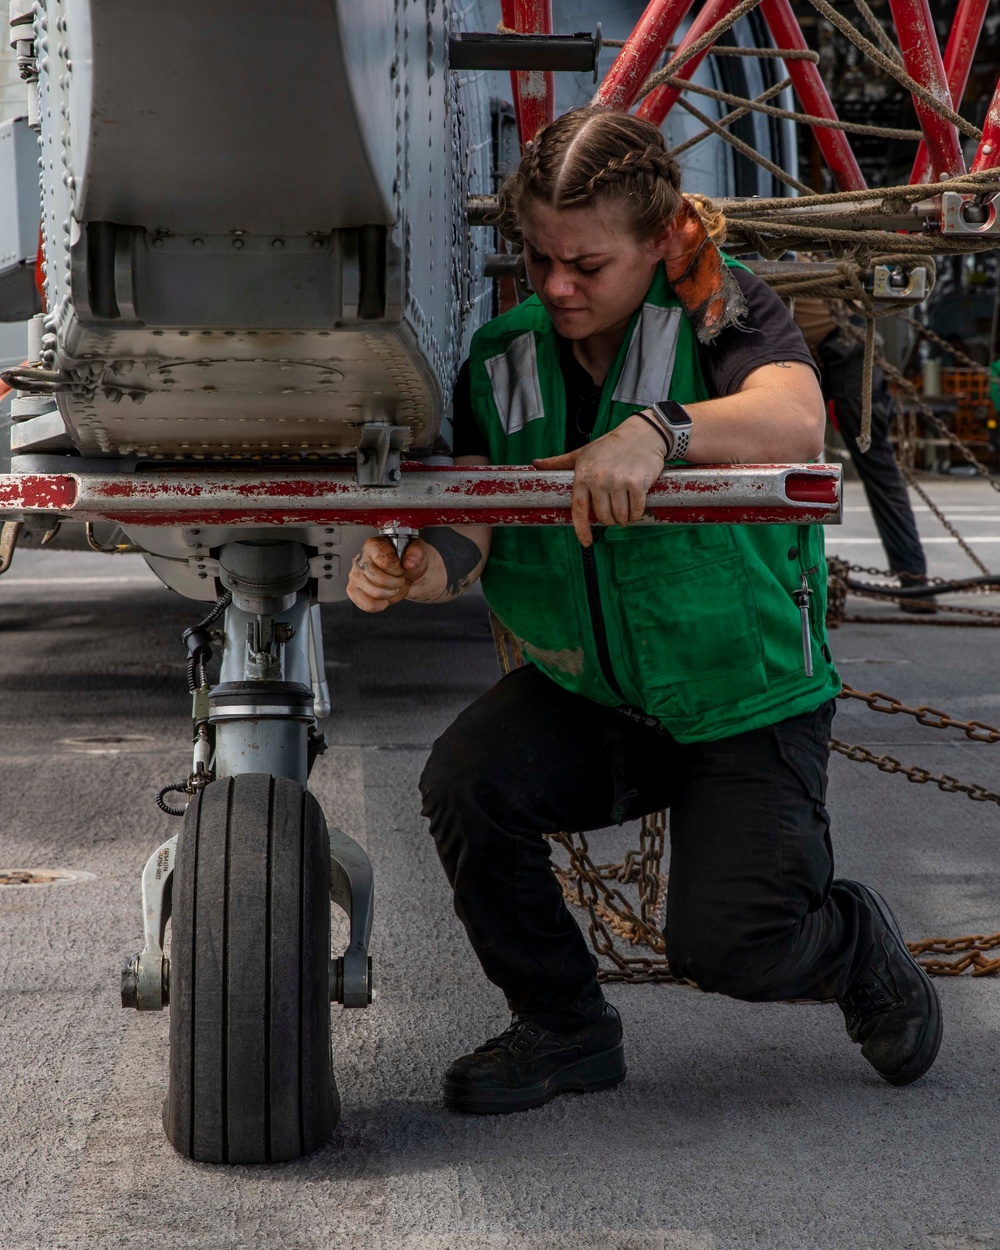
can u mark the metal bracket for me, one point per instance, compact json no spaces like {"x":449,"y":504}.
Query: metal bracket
{"x":317,"y":669}
{"x":969,"y":214}
{"x":379,"y":450}
{"x":352,"y":888}
{"x":897,"y":282}
{"x":9,"y":535}
{"x":38,"y":431}
{"x":146,"y":977}
{"x":34,"y":380}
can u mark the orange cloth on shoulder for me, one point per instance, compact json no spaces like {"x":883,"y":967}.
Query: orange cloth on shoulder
{"x":695,"y":269}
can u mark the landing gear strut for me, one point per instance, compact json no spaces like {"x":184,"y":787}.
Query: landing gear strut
{"x":247,"y":887}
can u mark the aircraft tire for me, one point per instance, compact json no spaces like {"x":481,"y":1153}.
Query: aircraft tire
{"x":251,"y":1075}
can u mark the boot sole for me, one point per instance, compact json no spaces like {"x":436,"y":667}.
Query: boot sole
{"x":586,"y":1076}
{"x":926,"y":1052}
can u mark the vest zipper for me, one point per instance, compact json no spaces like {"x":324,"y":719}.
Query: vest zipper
{"x":597,"y":621}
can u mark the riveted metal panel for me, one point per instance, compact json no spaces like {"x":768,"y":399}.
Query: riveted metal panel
{"x":206,"y":280}
{"x":239,"y":114}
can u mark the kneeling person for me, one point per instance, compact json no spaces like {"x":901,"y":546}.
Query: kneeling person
{"x":666,"y":663}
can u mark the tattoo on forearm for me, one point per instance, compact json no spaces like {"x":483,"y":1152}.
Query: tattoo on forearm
{"x":460,"y":554}
{"x":782,"y":364}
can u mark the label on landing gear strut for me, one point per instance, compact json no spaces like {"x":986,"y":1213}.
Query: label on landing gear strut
{"x":164,"y":861}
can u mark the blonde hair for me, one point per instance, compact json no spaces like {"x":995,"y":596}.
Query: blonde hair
{"x":712,"y":217}
{"x":601,"y":156}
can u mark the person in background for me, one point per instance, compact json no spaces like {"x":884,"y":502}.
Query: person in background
{"x":840,"y":359}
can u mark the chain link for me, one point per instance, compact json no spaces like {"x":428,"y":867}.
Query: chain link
{"x":954,"y":585}
{"x":613,"y":922}
{"x":919,"y":776}
{"x":984,"y":614}
{"x":970,"y":951}
{"x":858,"y":619}
{"x":932,"y":717}
{"x":839,"y":586}
{"x":914,"y":485}
{"x":927,"y":333}
{"x":964,"y":450}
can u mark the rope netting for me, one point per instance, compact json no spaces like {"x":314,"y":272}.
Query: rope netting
{"x":859,"y":229}
{"x":854,"y":237}
{"x":853,"y":240}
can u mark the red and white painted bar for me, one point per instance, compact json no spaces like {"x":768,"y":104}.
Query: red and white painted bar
{"x":503,"y":495}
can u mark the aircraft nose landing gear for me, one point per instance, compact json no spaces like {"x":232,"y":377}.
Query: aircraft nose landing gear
{"x":247,"y":887}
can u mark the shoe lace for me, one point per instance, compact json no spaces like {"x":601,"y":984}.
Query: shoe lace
{"x":518,"y":1037}
{"x":865,"y":999}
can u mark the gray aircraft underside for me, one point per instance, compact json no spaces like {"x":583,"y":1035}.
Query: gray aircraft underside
{"x":253,"y":221}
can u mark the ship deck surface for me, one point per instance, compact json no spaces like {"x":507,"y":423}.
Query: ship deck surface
{"x":739,"y":1125}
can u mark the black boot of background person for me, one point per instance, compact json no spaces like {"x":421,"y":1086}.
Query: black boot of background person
{"x":892,"y":1009}
{"x":926,"y":605}
{"x":527,"y":1066}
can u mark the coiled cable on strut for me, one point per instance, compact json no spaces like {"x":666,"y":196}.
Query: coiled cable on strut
{"x":178,"y":787}
{"x":199,"y":645}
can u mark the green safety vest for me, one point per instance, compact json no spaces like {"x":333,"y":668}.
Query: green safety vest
{"x":696,"y":625}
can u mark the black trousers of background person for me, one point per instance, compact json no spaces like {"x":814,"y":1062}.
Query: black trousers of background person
{"x":752,"y":909}
{"x":841,"y":362}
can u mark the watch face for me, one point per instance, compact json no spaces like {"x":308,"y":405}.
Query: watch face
{"x":674,"y":414}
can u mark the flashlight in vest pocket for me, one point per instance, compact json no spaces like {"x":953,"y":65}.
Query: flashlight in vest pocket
{"x":801,"y":597}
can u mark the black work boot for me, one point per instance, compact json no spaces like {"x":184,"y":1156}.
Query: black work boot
{"x":924,"y":606}
{"x":919,"y":607}
{"x":892,"y":1009}
{"x":527,"y":1065}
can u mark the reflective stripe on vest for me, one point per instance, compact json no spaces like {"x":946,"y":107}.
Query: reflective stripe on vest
{"x":649,"y":365}
{"x":516,"y":389}
{"x":645,"y":376}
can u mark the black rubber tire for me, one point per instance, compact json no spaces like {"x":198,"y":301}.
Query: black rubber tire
{"x":251,"y":1076}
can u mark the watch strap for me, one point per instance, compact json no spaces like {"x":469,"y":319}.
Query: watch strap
{"x":668,"y":442}
{"x":675,"y":422}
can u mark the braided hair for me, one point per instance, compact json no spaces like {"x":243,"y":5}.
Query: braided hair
{"x":596,"y":156}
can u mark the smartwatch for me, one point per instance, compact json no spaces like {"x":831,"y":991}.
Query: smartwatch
{"x":675,"y":423}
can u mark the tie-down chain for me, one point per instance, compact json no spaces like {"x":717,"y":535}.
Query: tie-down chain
{"x":613,"y":921}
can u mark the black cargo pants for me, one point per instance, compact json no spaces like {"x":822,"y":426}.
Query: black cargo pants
{"x":750,"y":908}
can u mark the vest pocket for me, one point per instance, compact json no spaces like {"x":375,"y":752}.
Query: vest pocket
{"x":694,"y":636}
{"x":535,"y":601}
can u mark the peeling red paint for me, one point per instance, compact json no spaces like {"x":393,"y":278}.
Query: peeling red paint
{"x":642,"y":49}
{"x":534,"y":91}
{"x":498,"y":495}
{"x":376,"y":518}
{"x":922,"y":58}
{"x":962,"y":42}
{"x":37,"y":492}
{"x":988,"y":154}
{"x":809,"y":87}
{"x":658,"y":103}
